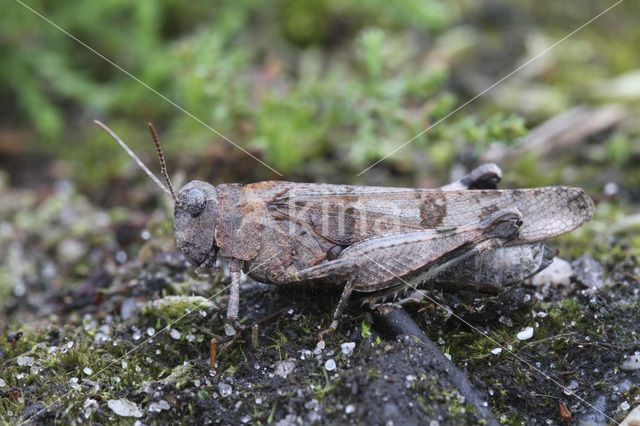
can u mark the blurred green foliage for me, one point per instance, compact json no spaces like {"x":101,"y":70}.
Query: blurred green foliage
{"x":296,"y":81}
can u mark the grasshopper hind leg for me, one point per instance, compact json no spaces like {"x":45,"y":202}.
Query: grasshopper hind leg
{"x":392,"y":263}
{"x":337,"y":269}
{"x":485,"y":176}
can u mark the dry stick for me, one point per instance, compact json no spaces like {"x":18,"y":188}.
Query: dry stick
{"x":398,"y":322}
{"x":550,"y":338}
{"x":213,"y":354}
{"x":562,"y":131}
{"x":254,"y":336}
{"x":492,"y":86}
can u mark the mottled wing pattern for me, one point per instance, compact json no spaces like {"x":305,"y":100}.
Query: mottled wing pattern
{"x":376,"y":263}
{"x":410,"y":255}
{"x":348,"y":214}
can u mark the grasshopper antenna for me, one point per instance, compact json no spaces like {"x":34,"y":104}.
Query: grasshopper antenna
{"x":163,"y":167}
{"x":138,"y":161}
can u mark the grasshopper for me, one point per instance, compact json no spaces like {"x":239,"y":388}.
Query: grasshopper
{"x":371,"y":240}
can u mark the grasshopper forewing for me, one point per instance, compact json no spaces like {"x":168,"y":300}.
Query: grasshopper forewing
{"x":409,"y":232}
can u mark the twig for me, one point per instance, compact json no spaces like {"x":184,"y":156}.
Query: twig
{"x":213,"y":354}
{"x":398,"y":322}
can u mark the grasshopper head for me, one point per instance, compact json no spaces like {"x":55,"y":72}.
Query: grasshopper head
{"x":194,"y":222}
{"x":196,"y":208}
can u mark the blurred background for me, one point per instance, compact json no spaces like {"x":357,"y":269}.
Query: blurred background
{"x":318,"y":89}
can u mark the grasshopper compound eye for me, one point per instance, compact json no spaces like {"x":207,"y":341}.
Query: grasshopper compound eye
{"x":196,"y":201}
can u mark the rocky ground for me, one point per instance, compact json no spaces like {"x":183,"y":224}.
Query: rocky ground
{"x":103,"y":321}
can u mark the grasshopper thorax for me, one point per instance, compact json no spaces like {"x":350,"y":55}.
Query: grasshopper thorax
{"x":194,"y":221}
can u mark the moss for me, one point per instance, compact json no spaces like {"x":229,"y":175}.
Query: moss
{"x":180,"y":375}
{"x":173,"y":307}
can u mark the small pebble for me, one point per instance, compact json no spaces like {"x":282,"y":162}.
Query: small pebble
{"x":350,"y":409}
{"x":25,"y":361}
{"x":156,"y":407}
{"x":496,"y":351}
{"x":347,"y":348}
{"x":611,"y":188}
{"x":74,"y":384}
{"x":90,"y":405}
{"x":229,"y":330}
{"x":284,"y":368}
{"x":124,"y":408}
{"x":175,"y":334}
{"x":525,"y":334}
{"x":506,"y":321}
{"x":87,"y":371}
{"x":330,"y":365}
{"x":631,"y":363}
{"x":121,"y":256}
{"x":224,"y":389}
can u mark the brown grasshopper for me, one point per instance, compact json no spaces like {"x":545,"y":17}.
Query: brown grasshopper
{"x":374,"y":240}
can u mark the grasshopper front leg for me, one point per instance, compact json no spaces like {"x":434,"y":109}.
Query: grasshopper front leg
{"x":397,"y":260}
{"x":234,"y":328}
